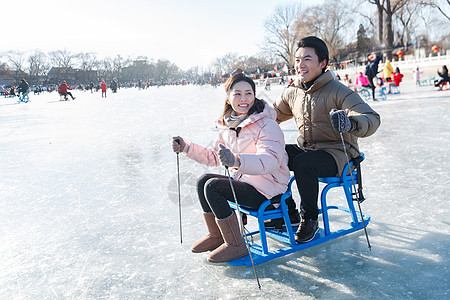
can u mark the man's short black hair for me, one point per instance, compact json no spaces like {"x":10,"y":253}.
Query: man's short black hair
{"x":319,"y":46}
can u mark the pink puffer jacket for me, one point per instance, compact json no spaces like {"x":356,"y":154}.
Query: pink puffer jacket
{"x":261,"y":149}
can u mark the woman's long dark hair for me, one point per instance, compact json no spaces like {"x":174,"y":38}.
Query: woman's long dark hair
{"x":258,"y":105}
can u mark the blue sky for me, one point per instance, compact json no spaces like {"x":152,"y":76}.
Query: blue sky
{"x":188,"y":33}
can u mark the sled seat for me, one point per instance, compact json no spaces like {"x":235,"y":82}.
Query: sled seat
{"x":262,"y":214}
{"x":261,"y":253}
{"x":63,"y":97}
{"x":395,"y":89}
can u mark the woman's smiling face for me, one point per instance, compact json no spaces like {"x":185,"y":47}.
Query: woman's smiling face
{"x":241,"y":97}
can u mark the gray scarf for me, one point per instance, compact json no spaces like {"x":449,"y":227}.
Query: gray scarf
{"x":233,"y":121}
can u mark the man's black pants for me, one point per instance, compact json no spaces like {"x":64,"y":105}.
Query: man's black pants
{"x":308,"y":166}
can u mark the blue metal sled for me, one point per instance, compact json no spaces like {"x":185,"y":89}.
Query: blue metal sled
{"x":261,"y":253}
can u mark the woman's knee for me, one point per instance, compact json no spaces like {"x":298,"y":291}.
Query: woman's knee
{"x":212,"y":185}
{"x":201,"y":181}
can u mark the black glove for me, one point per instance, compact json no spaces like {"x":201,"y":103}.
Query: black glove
{"x":340,"y":121}
{"x":178,"y":144}
{"x":227,"y":158}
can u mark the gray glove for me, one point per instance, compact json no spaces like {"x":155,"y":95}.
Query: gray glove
{"x":340,"y":121}
{"x":178,"y":144}
{"x":227,"y":158}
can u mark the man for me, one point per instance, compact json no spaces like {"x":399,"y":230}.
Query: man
{"x":371,"y":72}
{"x":321,"y":106}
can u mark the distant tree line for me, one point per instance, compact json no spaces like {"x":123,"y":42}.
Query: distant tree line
{"x":36,"y":65}
{"x":356,"y":28}
{"x":348,"y":27}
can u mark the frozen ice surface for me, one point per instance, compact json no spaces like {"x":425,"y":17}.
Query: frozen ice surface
{"x":88,"y":204}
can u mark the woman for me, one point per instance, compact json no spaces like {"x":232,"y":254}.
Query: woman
{"x":443,"y":77}
{"x":251,"y":144}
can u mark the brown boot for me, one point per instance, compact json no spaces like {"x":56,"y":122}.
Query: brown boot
{"x":213,"y":239}
{"x":234,"y":246}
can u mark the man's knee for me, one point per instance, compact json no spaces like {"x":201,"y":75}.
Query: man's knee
{"x":302,"y":163}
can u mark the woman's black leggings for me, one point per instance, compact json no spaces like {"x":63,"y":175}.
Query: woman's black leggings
{"x":214,"y":191}
{"x":308,"y":166}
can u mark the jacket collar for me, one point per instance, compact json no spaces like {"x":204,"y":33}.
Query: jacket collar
{"x":320,"y":81}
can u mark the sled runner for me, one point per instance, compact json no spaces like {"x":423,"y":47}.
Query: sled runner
{"x":261,"y":253}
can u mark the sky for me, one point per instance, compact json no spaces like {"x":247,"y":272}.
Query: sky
{"x":187,"y":32}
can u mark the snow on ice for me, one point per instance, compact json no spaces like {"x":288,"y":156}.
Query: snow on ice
{"x":89,"y":208}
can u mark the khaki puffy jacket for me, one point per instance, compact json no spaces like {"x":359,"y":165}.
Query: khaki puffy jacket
{"x":311,"y":112}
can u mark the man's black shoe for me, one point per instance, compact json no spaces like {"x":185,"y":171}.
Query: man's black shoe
{"x":307,"y":230}
{"x":294,"y":216}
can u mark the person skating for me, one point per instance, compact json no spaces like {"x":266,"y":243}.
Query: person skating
{"x":317,"y":103}
{"x":251,"y":144}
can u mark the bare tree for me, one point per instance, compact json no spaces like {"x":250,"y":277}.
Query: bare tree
{"x":407,"y":17}
{"x":432,"y":24}
{"x":282,"y":34}
{"x":388,"y":7}
{"x":266,"y":60}
{"x":440,"y":5}
{"x":87,"y":61}
{"x":62,"y":58}
{"x":37,"y":65}
{"x":249,"y":63}
{"x":165,"y":70}
{"x":327,"y":24}
{"x":4,"y":69}
{"x":16,"y":60}
{"x":227,"y":63}
{"x":362,"y":9}
{"x":118,"y":64}
{"x":106,"y":68}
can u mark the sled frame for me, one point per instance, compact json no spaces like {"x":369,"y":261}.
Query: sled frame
{"x":260,"y":251}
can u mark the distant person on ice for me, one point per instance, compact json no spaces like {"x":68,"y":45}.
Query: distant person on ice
{"x":371,"y":72}
{"x":397,"y":78}
{"x":251,"y":144}
{"x":63,"y":90}
{"x":319,"y":105}
{"x":103,"y":85}
{"x":23,"y":87}
{"x":361,"y":81}
{"x":443,"y":77}
{"x":416,"y":75}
